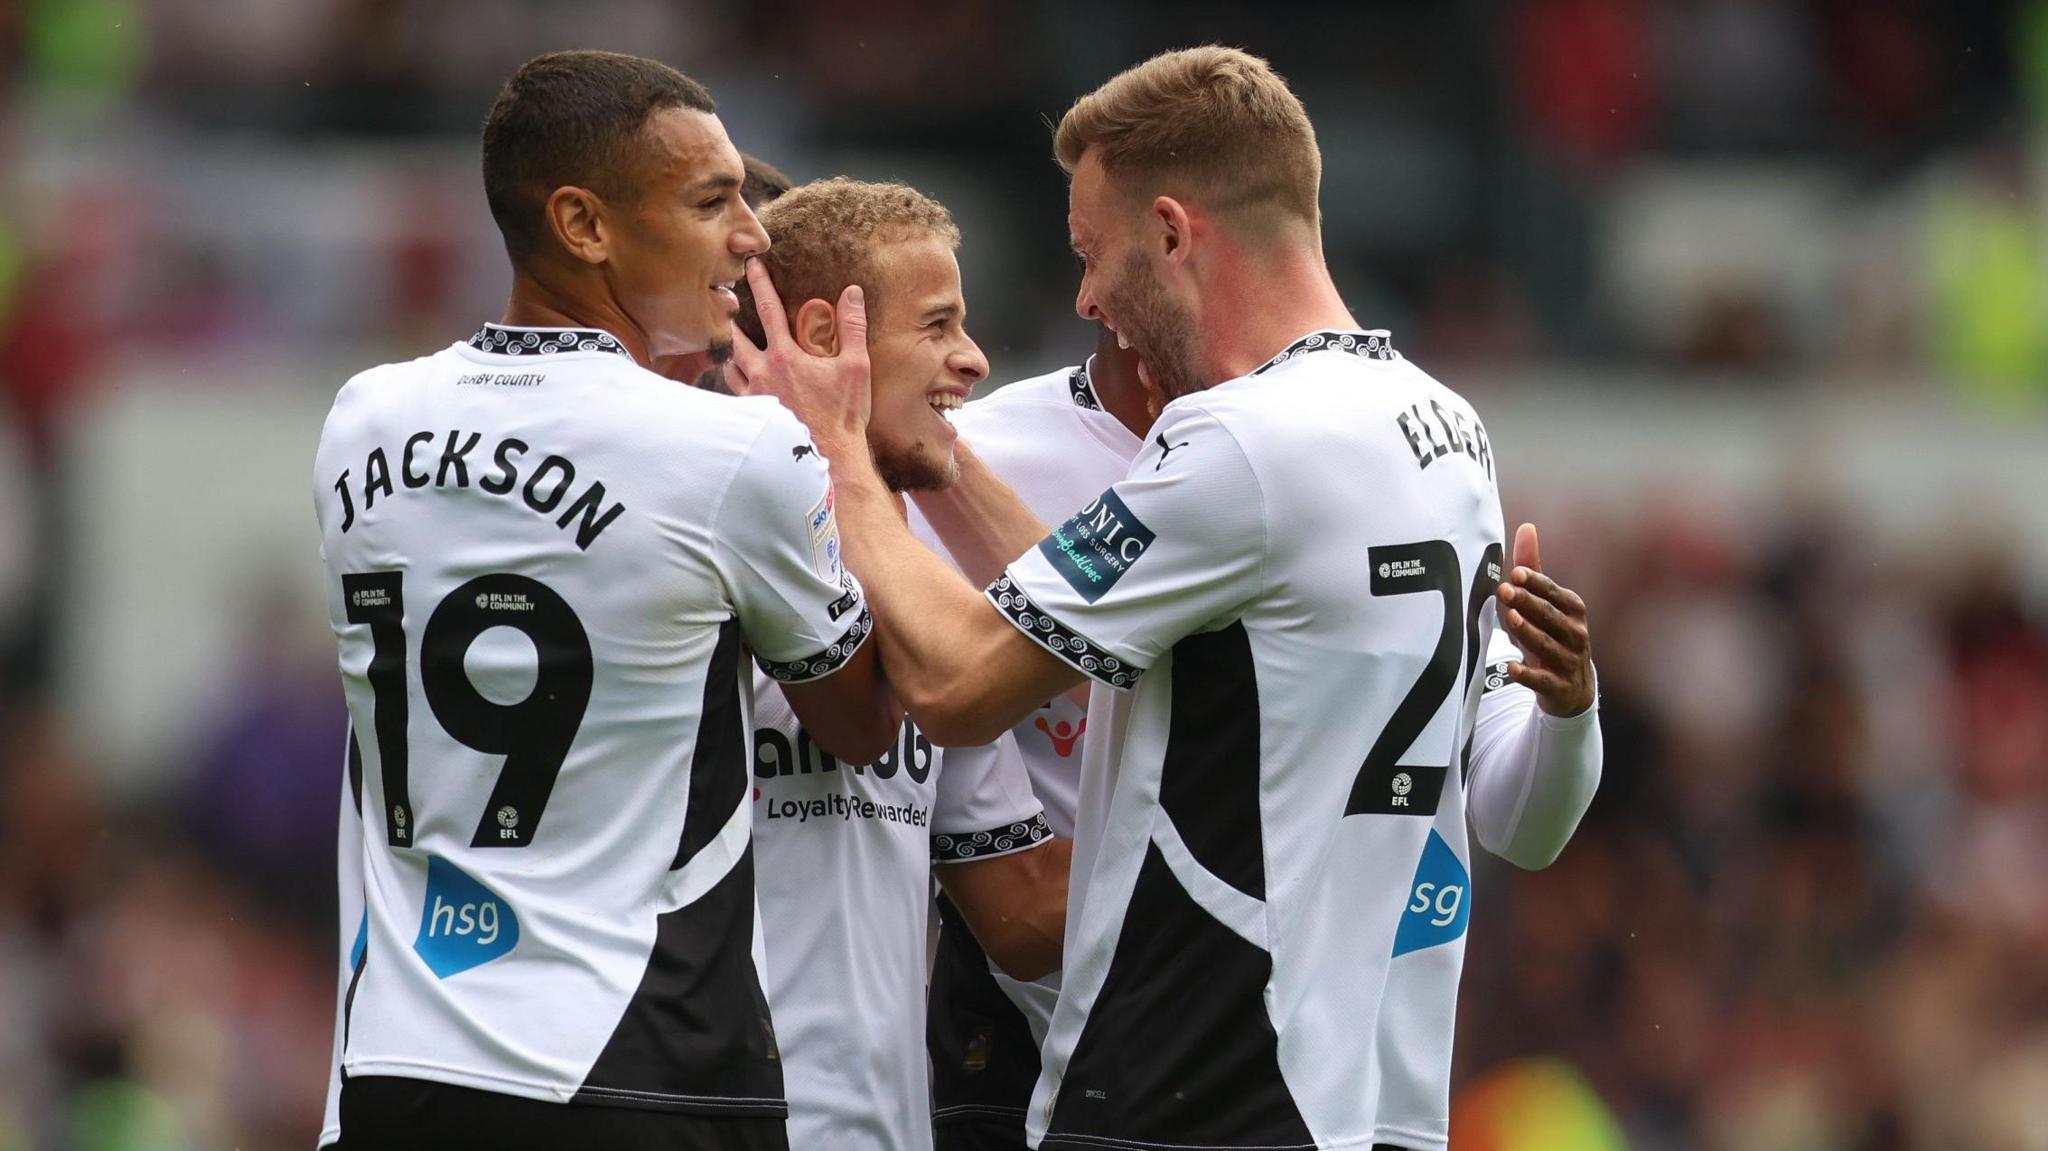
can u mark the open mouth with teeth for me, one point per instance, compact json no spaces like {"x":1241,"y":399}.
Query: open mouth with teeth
{"x":723,"y":289}
{"x":945,"y":403}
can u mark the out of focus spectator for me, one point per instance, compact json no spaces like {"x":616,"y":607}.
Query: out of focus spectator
{"x":1585,"y":73}
{"x":268,"y":775}
{"x":1759,"y":939}
{"x":1989,"y":260}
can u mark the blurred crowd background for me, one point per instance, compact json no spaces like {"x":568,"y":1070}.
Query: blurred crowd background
{"x":1753,"y":294}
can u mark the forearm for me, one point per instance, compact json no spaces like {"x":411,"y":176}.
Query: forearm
{"x":943,"y":647}
{"x":980,"y":520}
{"x":852,"y":713}
{"x":1016,"y":906}
{"x":1533,"y":777}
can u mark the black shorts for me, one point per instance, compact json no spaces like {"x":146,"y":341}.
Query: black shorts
{"x":990,"y":1133}
{"x":984,"y":1060}
{"x":387,"y":1113}
{"x":979,"y":1133}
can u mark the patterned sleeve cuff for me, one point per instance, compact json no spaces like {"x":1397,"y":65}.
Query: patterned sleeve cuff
{"x":825,"y":662}
{"x":995,"y":841}
{"x":1083,"y":654}
{"x":1496,"y":677}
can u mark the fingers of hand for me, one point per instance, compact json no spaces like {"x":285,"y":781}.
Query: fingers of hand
{"x":767,"y":304}
{"x":746,"y":361}
{"x":1536,"y":679}
{"x":852,"y":315}
{"x":1536,"y":582}
{"x":1547,"y":615}
{"x":1537,"y":642}
{"x":1528,"y":550}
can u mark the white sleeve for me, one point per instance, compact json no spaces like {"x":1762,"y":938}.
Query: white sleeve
{"x":985,"y":806}
{"x":802,"y":612}
{"x":1176,"y":547}
{"x":1532,"y":774}
{"x":348,"y":873}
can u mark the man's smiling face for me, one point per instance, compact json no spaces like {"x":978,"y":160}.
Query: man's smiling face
{"x":923,"y":361}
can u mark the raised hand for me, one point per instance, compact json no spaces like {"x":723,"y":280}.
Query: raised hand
{"x":830,"y":394}
{"x":1548,"y":622}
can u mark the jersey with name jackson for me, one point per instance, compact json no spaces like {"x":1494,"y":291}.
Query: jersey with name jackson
{"x":545,"y":567}
{"x":846,"y":854}
{"x":1292,"y":589}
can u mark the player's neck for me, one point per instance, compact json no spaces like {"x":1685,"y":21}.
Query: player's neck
{"x":538,"y":305}
{"x":1112,"y":372}
{"x":1265,"y":303}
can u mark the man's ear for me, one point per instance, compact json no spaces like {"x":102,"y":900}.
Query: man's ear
{"x":576,"y":217}
{"x":815,"y":329}
{"x":1171,"y":227}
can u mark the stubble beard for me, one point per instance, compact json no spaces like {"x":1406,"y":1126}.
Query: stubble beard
{"x":1161,"y":330}
{"x":916,"y":470}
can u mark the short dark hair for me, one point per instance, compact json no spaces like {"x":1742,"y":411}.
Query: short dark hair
{"x":571,"y":118}
{"x":764,"y":184}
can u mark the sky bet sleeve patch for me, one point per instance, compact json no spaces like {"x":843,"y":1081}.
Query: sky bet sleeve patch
{"x":823,"y":523}
{"x":1094,"y":549}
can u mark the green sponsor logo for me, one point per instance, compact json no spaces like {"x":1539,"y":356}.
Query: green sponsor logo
{"x":1094,"y":549}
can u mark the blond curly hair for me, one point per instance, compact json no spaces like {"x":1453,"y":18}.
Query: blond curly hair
{"x":824,"y":235}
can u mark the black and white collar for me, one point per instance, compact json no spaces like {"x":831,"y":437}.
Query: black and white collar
{"x":1373,"y":345}
{"x":505,"y":340}
{"x":1082,"y":388}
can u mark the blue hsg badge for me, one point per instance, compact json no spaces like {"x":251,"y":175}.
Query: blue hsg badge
{"x":1437,"y":909}
{"x":463,"y":924}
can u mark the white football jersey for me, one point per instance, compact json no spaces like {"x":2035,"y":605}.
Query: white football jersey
{"x":1294,"y":581}
{"x":354,"y":923}
{"x":1052,"y":442}
{"x":545,"y":564}
{"x":1050,"y":439}
{"x":845,"y":870}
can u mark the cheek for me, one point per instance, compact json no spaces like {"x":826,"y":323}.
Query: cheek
{"x":671,"y":253}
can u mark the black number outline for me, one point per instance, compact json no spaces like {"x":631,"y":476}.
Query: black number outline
{"x":1484,"y":581}
{"x":1393,"y":572}
{"x":378,"y":599}
{"x":534,"y":735}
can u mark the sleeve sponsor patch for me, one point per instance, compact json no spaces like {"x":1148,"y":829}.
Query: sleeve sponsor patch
{"x":1093,"y":550}
{"x":823,"y":523}
{"x":846,"y":603}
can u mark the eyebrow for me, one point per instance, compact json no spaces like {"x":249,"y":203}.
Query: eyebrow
{"x":940,"y":312}
{"x":719,"y":183}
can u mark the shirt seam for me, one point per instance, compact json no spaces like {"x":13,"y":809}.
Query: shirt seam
{"x":720,"y":549}
{"x":1259,"y":487}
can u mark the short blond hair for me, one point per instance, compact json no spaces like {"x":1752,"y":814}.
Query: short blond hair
{"x":823,"y":236}
{"x":1214,"y":125}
